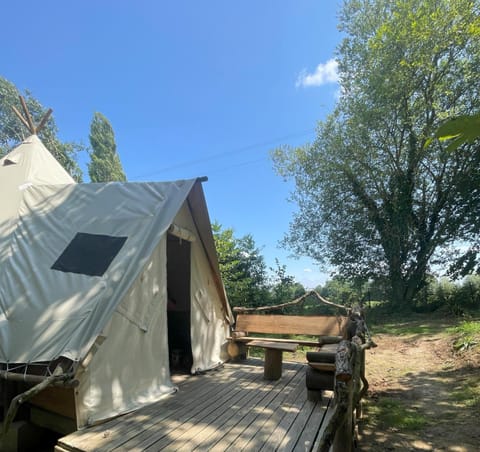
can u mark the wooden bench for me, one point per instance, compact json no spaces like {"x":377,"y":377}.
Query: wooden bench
{"x":324,"y":329}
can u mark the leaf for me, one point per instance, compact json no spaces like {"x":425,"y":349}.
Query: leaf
{"x":462,"y":129}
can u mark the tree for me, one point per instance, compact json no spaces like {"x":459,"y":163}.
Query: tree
{"x":12,"y":131}
{"x":242,"y":268}
{"x":283,"y":287}
{"x":375,"y":197}
{"x":341,"y":291}
{"x":104,"y":163}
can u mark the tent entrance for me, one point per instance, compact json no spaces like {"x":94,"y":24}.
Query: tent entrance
{"x":179,"y":304}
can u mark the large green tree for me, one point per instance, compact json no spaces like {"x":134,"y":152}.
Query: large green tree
{"x":12,"y":131}
{"x":375,"y":197}
{"x":104,"y":163}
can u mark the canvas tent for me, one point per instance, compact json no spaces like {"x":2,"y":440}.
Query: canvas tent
{"x":118,"y":282}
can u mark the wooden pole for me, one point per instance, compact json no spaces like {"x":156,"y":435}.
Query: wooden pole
{"x":28,"y":122}
{"x":27,"y":114}
{"x":19,"y":116}
{"x":44,"y":120}
{"x":35,"y":379}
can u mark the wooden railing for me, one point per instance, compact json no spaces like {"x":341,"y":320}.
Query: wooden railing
{"x":350,"y":384}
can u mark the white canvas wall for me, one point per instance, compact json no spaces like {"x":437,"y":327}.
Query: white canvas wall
{"x":130,"y":368}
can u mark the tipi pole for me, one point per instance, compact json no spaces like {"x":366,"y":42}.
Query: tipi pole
{"x":28,"y":122}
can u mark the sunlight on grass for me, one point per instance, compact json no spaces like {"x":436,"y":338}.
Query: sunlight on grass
{"x":468,"y":335}
{"x":407,"y":329}
{"x":391,"y":413}
{"x":468,"y":394}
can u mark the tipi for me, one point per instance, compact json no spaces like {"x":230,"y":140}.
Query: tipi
{"x":105,"y":289}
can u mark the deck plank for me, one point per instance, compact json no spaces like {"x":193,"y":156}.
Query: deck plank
{"x":165,"y":423}
{"x":203,"y":433}
{"x":290,"y":411}
{"x":242,"y":429}
{"x":230,"y":409}
{"x":186,"y":432}
{"x":277,"y":413}
{"x":114,"y":433}
{"x":310,"y":429}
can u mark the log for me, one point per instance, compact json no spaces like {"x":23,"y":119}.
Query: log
{"x":344,"y":433}
{"x":343,"y":362}
{"x":325,"y":367}
{"x":314,"y":395}
{"x":321,"y":357}
{"x":318,"y":380}
{"x":337,"y":419}
{"x":273,"y":364}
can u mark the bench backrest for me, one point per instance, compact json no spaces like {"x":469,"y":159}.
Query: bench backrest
{"x":291,"y":324}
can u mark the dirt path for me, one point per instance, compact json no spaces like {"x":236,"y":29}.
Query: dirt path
{"x":422,"y":396}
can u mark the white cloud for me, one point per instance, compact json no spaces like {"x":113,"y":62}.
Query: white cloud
{"x":307,"y":270}
{"x":325,"y":73}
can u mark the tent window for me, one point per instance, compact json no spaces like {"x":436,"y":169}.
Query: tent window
{"x":89,"y":254}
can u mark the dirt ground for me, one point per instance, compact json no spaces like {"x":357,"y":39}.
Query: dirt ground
{"x":434,"y":390}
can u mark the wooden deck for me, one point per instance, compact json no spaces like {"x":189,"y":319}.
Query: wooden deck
{"x":233,"y":409}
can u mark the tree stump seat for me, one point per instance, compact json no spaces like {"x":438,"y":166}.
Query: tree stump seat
{"x":320,"y":374}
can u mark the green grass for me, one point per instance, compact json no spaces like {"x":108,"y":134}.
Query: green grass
{"x":467,"y":334}
{"x":381,"y":319}
{"x":468,"y":394}
{"x":392,"y":413}
{"x":408,"y":329}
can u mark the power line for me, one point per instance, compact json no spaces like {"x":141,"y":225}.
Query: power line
{"x":225,"y":154}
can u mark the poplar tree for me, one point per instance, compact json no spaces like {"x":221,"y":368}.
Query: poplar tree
{"x":105,"y":165}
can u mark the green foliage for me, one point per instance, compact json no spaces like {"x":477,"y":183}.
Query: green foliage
{"x":244,"y":273}
{"x":12,"y":131}
{"x":340,"y":291}
{"x":375,"y":201}
{"x":462,"y":129}
{"x":242,"y":267}
{"x":104,"y":163}
{"x":284,"y":288}
{"x":457,"y":299}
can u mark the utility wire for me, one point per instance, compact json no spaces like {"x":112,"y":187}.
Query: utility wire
{"x":225,"y":154}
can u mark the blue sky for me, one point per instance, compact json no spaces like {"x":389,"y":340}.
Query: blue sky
{"x":191,"y":89}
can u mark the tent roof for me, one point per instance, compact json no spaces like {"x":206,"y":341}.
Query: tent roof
{"x":52,"y":302}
